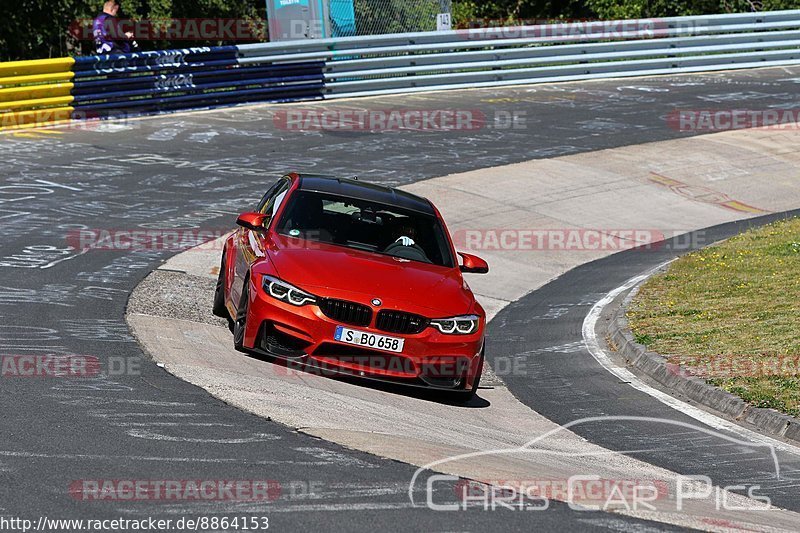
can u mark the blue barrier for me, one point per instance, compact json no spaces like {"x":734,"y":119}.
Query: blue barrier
{"x":171,"y":103}
{"x":190,"y":77}
{"x":178,"y":56}
{"x":165,"y":80}
{"x":122,"y":96}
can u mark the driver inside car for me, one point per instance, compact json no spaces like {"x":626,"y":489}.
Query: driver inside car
{"x":405,"y":246}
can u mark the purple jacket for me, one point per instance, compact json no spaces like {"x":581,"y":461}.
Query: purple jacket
{"x":108,"y":35}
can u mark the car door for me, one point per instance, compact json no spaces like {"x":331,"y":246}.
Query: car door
{"x":249,"y":244}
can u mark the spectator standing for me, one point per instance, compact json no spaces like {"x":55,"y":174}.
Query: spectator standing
{"x":107,"y":30}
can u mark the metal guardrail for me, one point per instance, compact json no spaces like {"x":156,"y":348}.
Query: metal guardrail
{"x":53,"y":90}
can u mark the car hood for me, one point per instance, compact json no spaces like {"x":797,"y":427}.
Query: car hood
{"x":337,"y":271}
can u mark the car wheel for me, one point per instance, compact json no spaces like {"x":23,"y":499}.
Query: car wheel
{"x":240,"y":323}
{"x":219,"y":308}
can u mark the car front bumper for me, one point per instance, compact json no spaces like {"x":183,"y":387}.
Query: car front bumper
{"x":306,"y":337}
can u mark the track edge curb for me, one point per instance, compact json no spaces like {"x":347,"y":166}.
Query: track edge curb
{"x":615,"y":329}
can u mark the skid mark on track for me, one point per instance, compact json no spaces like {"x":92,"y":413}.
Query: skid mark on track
{"x":361,"y":490}
{"x":152,"y":426}
{"x":331,"y":456}
{"x":93,"y":385}
{"x":704,"y":195}
{"x":570,"y":347}
{"x":125,"y":415}
{"x":554,"y":313}
{"x":166,"y":134}
{"x":52,"y":294}
{"x":204,"y":137}
{"x":152,"y":435}
{"x":174,"y":424}
{"x":116,"y":459}
{"x":620,"y":525}
{"x":105,"y":330}
{"x":99,"y":400}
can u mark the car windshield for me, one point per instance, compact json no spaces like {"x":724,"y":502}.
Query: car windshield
{"x":367,"y":226}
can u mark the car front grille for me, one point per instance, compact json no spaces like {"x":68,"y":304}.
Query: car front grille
{"x":344,"y":311}
{"x":401,"y":322}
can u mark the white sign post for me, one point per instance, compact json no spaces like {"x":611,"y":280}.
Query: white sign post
{"x":444,"y":22}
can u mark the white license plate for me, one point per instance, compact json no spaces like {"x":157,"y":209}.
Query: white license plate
{"x":369,"y":340}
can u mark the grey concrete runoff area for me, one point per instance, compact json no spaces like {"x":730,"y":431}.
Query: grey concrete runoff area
{"x":421,"y":432}
{"x":175,"y":402}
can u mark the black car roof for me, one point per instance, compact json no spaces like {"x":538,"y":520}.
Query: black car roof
{"x":361,"y":190}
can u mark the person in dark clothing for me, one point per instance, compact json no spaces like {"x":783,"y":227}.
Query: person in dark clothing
{"x":109,"y":37}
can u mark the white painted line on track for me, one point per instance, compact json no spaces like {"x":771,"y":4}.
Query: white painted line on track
{"x":625,"y":375}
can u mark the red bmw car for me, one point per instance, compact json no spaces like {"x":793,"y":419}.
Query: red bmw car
{"x":354,"y":278}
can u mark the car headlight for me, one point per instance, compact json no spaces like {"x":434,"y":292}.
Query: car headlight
{"x":457,"y":325}
{"x":281,"y":290}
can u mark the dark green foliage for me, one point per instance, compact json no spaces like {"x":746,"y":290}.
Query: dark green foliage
{"x":466,"y":11}
{"x":35,"y":29}
{"x":31,"y":29}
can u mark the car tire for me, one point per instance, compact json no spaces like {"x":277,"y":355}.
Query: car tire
{"x":219,"y":308}
{"x":240,"y":324}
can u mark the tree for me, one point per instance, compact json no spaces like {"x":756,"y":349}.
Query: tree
{"x":35,"y":29}
{"x":31,"y":29}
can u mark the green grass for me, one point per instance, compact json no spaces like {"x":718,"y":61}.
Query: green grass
{"x":731,"y":313}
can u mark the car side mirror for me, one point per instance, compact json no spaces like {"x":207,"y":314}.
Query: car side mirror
{"x":252,"y":221}
{"x":473,"y":264}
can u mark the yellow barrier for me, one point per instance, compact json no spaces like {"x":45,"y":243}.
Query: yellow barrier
{"x":18,"y":105}
{"x":37,"y":78}
{"x":35,"y":93}
{"x":36,"y":66}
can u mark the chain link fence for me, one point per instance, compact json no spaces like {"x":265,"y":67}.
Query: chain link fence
{"x":378,"y":17}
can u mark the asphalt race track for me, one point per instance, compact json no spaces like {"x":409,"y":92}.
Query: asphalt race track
{"x":571,"y":385}
{"x":199,"y":171}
